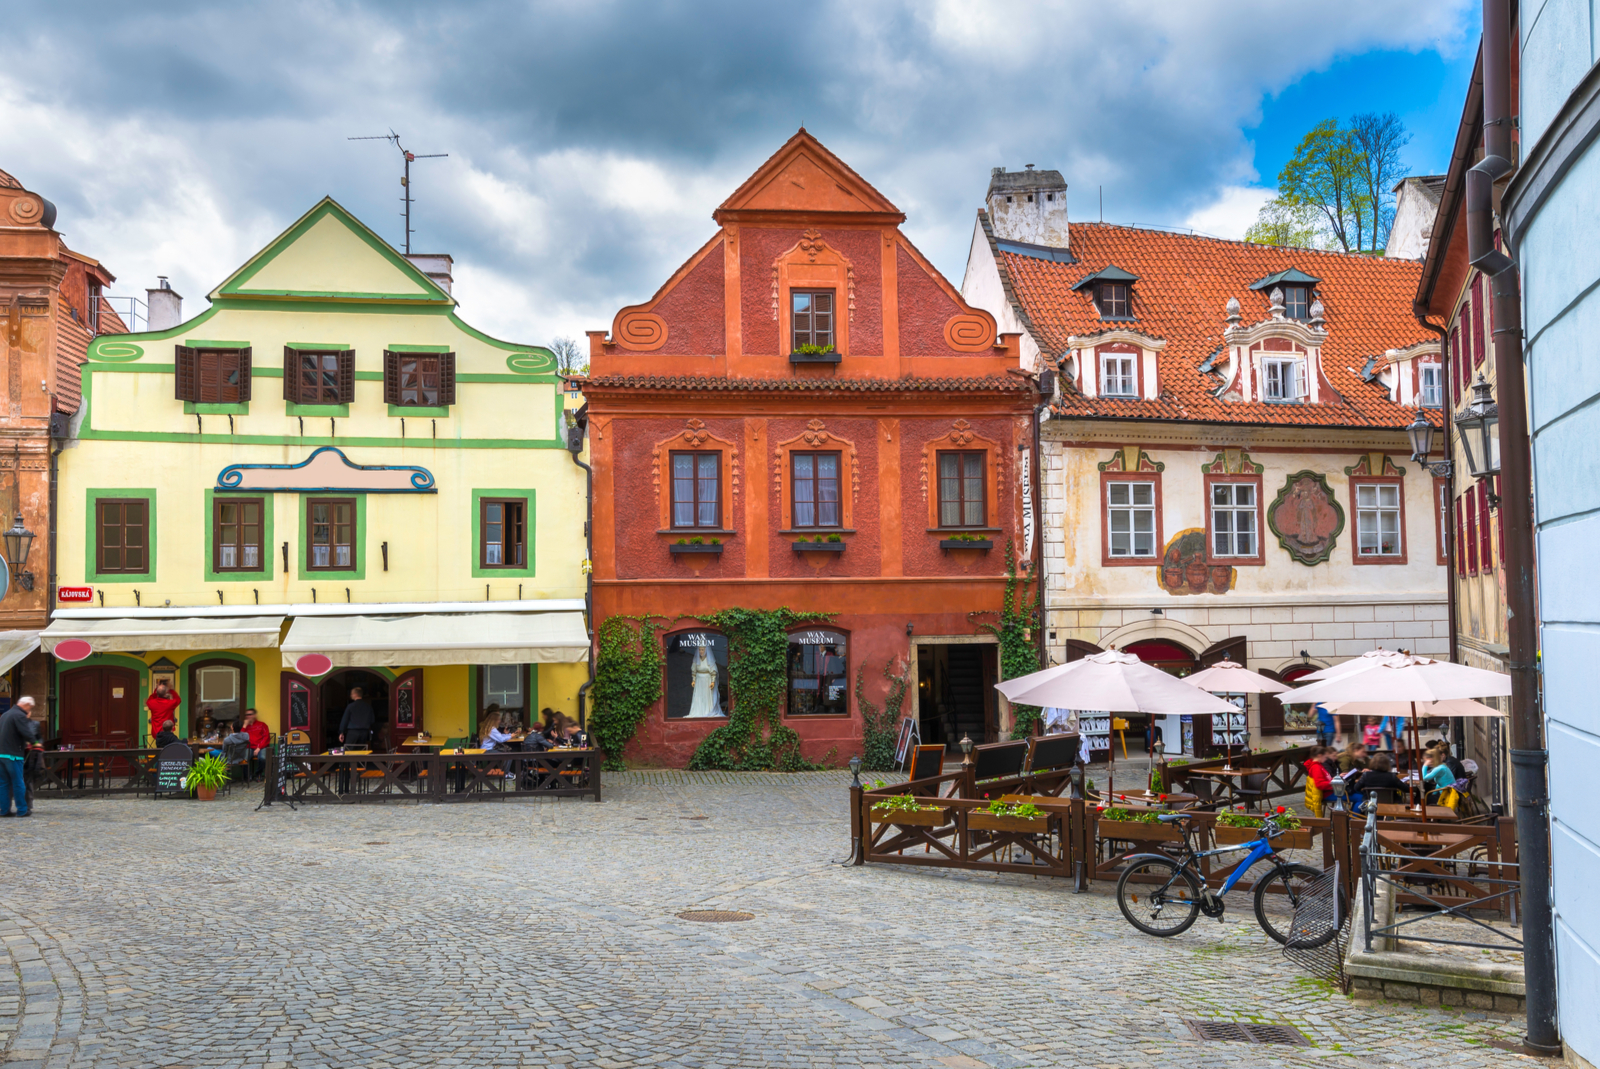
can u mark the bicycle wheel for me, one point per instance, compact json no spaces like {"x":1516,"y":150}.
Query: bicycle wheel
{"x":1158,"y":897}
{"x":1278,"y":894}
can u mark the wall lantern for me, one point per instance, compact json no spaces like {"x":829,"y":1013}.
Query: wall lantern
{"x":19,"y":540}
{"x":1480,"y":432}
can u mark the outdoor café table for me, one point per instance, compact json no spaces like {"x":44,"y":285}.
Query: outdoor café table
{"x":417,"y":742}
{"x":1411,"y":812}
{"x":1227,"y":777}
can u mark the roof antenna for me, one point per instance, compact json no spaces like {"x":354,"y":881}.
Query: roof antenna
{"x":1102,"y":204}
{"x":405,"y":180}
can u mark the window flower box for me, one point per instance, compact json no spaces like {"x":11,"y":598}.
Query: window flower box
{"x":1138,"y":831}
{"x":982,"y":820}
{"x":802,"y":546}
{"x":982,"y":545}
{"x":926,"y":817}
{"x":690,"y":548}
{"x":1296,"y":839}
{"x":832,"y":356}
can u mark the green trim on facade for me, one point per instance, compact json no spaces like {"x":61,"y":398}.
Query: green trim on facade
{"x":247,"y":692}
{"x":317,"y":346}
{"x":268,"y":541}
{"x":423,"y":411}
{"x":207,"y":408}
{"x":480,"y":572}
{"x":293,"y":409}
{"x":393,"y":348}
{"x":90,"y":537}
{"x":303,"y":571}
{"x":211,"y":343}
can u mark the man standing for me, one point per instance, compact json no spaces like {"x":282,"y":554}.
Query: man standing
{"x":355,"y":727}
{"x":16,"y":733}
{"x":162,"y":705}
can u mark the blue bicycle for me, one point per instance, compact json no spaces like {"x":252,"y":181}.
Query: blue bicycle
{"x":1162,"y":895}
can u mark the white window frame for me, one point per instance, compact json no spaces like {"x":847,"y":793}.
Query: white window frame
{"x":1128,"y":376}
{"x":1130,"y":511}
{"x":1370,"y":517}
{"x":1435,"y":388}
{"x":1232,"y":509}
{"x":1280,"y":371}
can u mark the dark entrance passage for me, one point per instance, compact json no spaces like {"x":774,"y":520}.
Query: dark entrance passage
{"x":334,"y":692}
{"x":955,"y":693}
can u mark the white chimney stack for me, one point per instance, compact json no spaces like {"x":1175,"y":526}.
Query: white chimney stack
{"x":163,"y":306}
{"x":1029,"y":206}
{"x":438,"y":266}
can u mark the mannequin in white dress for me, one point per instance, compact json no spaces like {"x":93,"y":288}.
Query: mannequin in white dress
{"x":703,"y":674}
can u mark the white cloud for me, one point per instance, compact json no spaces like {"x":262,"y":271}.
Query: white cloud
{"x":1234,"y":209}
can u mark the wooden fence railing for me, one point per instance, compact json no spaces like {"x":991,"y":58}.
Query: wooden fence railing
{"x":353,"y":779}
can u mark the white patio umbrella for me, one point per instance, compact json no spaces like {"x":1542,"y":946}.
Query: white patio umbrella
{"x":1354,"y":664}
{"x":1421,"y":710}
{"x":1230,"y":677}
{"x":1113,"y":681}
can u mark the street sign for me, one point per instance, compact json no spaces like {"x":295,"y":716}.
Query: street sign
{"x":313,"y":664}
{"x":75,"y":593}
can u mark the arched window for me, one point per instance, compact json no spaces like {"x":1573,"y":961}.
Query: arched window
{"x":697,"y":675}
{"x":819,"y":673}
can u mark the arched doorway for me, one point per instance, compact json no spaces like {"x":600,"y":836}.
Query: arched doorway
{"x":333,"y":694}
{"x":1177,"y":732}
{"x":100,"y":704}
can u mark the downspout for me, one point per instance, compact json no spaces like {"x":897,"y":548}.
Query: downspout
{"x":50,"y":583}
{"x":1450,"y":548}
{"x":575,"y":437}
{"x":1529,"y":758}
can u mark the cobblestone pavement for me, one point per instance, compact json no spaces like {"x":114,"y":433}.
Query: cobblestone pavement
{"x":176,"y":934}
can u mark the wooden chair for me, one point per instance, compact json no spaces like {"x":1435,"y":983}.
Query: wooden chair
{"x":1252,"y":788}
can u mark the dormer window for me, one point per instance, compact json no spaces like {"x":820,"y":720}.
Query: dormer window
{"x":1283,"y":379}
{"x":1118,"y":375}
{"x":1296,"y":301}
{"x":1296,"y":288}
{"x":1113,"y":300}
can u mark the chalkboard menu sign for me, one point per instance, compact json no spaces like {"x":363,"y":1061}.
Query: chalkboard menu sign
{"x":172,"y":765}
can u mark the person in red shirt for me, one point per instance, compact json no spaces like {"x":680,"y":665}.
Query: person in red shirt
{"x":260,"y":739}
{"x":163,"y":705}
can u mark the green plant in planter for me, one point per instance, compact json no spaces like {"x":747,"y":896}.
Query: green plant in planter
{"x":683,"y":541}
{"x":1128,"y":816}
{"x":835,"y":538}
{"x":697,"y":541}
{"x":1231,"y":819}
{"x":716,"y":541}
{"x":1014,"y":809}
{"x":209,"y":771}
{"x":902,"y":803}
{"x":813,"y":350}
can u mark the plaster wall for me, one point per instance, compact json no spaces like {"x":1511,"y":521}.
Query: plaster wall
{"x":1412,"y":227}
{"x":981,"y":287}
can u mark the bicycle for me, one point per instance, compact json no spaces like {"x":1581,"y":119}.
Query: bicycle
{"x":1157,"y":888}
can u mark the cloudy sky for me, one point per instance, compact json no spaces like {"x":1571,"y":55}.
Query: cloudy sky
{"x":589,"y":140}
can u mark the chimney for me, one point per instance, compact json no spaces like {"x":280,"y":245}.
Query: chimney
{"x":163,"y":306}
{"x":1028,"y":205}
{"x":438,"y":266}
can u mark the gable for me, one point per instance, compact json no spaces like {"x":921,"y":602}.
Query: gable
{"x":329,"y":254}
{"x":805,"y":176}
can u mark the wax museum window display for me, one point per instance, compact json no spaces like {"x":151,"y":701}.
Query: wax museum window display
{"x":819,"y":675}
{"x":697,"y":675}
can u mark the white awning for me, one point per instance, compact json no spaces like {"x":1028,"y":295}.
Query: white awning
{"x":189,"y":633}
{"x":14,"y":646}
{"x":438,"y":639}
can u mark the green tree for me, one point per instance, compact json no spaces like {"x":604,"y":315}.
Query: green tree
{"x":570,"y":359}
{"x":1283,"y":223}
{"x":1378,"y":139}
{"x":1326,"y":174}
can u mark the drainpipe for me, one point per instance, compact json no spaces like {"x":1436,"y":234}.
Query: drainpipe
{"x":574,"y":447}
{"x":50,"y":583}
{"x":1529,"y":759}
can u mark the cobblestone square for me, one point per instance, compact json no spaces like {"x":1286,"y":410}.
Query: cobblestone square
{"x":139,"y":933}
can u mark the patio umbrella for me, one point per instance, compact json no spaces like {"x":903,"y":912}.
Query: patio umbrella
{"x":1354,"y":664}
{"x":1113,"y":681}
{"x":1414,"y":682}
{"x":1230,"y":677}
{"x":1452,"y":707}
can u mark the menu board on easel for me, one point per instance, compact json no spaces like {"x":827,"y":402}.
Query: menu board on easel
{"x":172,"y":767}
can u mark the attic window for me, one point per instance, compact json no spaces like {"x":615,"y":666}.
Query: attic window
{"x":1049,"y":196}
{"x":1296,"y":301}
{"x":1283,"y":379}
{"x":1030,"y":198}
{"x":1112,"y":298}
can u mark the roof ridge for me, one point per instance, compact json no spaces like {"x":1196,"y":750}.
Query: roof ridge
{"x":1341,"y":253}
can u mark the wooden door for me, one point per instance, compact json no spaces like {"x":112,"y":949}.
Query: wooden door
{"x":101,"y":702}
{"x":298,"y":708}
{"x":405,"y":709}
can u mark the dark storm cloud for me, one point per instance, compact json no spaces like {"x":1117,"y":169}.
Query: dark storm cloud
{"x":590,"y":141}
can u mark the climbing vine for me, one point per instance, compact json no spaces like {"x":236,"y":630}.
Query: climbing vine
{"x":878,"y":726}
{"x":627,"y":682}
{"x":755,"y":738}
{"x":1019,"y":611}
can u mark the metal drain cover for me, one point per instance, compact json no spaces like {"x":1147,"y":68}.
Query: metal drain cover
{"x":1236,"y":1032}
{"x":715,"y":916}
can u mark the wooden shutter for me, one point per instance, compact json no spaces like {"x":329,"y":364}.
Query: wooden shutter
{"x":391,"y":378}
{"x":347,"y":377}
{"x":447,"y":378}
{"x":1229,"y":649}
{"x":187,"y":376}
{"x":244,"y":374}
{"x":1485,"y":531}
{"x":291,"y":375}
{"x":1477,"y":321}
{"x":1271,"y":708}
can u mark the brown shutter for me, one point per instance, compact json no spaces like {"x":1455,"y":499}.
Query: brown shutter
{"x":1271,"y":708}
{"x":391,"y":378}
{"x":244,"y":374}
{"x":347,"y":377}
{"x":291,"y":375}
{"x":447,"y":378}
{"x":186,"y":377}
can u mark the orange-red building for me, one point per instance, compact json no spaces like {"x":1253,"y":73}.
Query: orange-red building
{"x":807,"y":414}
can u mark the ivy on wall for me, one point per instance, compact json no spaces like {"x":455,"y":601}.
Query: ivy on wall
{"x":1020,"y":609}
{"x":627,"y":682}
{"x":755,"y":739}
{"x":878,"y":726}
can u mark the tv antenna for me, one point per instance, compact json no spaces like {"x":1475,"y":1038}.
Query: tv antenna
{"x":405,"y":179}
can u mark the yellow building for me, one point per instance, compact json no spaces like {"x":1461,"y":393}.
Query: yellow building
{"x":325,"y":480}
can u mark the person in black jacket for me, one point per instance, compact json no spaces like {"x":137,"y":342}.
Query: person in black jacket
{"x":17,"y":732}
{"x":355,"y":727}
{"x":1380,"y":776}
{"x":166,"y":736}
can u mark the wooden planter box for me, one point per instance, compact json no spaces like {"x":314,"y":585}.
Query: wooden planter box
{"x":982,"y":546}
{"x":937,"y":817}
{"x":979,"y":820}
{"x":1136,"y":831}
{"x":714,"y":550}
{"x":818,"y":547}
{"x":1298,"y":839}
{"x":816,"y":358}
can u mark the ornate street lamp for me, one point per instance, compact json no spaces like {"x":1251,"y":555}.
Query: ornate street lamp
{"x":1421,"y":434}
{"x":19,"y":540}
{"x":1480,"y":432}
{"x":855,"y":770}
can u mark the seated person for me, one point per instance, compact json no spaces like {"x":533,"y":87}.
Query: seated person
{"x":1355,"y":757}
{"x":490,"y":735}
{"x":1436,"y":775}
{"x":1457,"y":769}
{"x":1379,"y":776}
{"x":260,"y":738}
{"x":166,"y":736}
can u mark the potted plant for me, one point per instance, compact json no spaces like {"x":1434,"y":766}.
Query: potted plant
{"x":831,"y":543}
{"x":697,"y":544}
{"x":1234,"y":827}
{"x":978,"y":543}
{"x":1022,"y":817}
{"x":205,"y":776}
{"x":905,"y":809}
{"x":814,"y":354}
{"x":1136,"y":825}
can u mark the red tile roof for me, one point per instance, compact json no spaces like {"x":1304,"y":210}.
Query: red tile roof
{"x":1181,"y":296}
{"x":810,"y":383}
